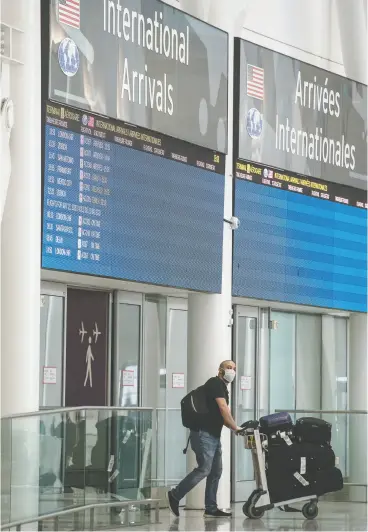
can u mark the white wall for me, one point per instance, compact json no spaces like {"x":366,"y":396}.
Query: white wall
{"x":21,"y":222}
{"x":324,"y":33}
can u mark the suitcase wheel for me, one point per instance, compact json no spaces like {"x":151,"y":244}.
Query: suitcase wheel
{"x":249,"y":508}
{"x":310,"y":510}
{"x":255,"y":513}
{"x":248,"y":502}
{"x":246,"y":509}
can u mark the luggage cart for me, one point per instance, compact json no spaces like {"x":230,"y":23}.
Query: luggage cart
{"x":259,"y":501}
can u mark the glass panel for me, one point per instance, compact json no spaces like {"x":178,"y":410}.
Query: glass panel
{"x":246,"y":352}
{"x":72,"y":432}
{"x":6,"y":464}
{"x":341,"y":426}
{"x":334,"y":380}
{"x":169,"y":424}
{"x":38,"y":446}
{"x":56,"y":444}
{"x":118,"y":454}
{"x":173,"y":437}
{"x":154,"y":352}
{"x":128,"y":331}
{"x":356,"y":455}
{"x":60,"y":461}
{"x":25,"y":446}
{"x":282,"y":362}
{"x":51,"y":350}
{"x":154,"y":368}
{"x":308,"y":361}
{"x":263,"y":363}
{"x":341,"y":335}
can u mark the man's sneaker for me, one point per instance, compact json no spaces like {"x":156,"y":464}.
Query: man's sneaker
{"x":217,"y":513}
{"x":173,"y":504}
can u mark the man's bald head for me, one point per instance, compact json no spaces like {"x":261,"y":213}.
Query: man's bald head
{"x":226,"y":364}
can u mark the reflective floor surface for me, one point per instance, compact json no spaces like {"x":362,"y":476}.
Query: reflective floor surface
{"x":332,"y":516}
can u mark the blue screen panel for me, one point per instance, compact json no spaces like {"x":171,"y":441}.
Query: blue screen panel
{"x":299,"y":249}
{"x":111,"y":210}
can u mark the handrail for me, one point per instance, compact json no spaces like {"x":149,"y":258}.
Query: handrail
{"x":92,"y":506}
{"x":162,"y":409}
{"x":307,"y":411}
{"x":76,"y":409}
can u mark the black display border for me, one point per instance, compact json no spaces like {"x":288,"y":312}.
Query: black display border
{"x":46,"y":96}
{"x":236,"y":99}
{"x":132,"y":138}
{"x":330,"y":188}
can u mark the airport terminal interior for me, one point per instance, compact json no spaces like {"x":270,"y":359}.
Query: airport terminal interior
{"x":183,"y":184}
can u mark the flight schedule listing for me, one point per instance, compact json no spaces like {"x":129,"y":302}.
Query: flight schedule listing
{"x":86,"y":164}
{"x":77,"y":191}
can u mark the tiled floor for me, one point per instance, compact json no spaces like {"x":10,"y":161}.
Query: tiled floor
{"x":332,"y":516}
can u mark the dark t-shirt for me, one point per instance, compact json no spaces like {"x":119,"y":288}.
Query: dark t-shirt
{"x":215,"y":389}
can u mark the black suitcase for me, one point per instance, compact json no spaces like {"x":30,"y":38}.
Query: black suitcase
{"x":326,"y":481}
{"x":301,"y":457}
{"x":312,"y":430}
{"x":285,"y":487}
{"x":274,"y":423}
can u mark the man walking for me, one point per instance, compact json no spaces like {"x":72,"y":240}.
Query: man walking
{"x":206,"y":443}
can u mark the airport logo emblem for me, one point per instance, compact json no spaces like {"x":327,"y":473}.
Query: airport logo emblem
{"x":88,"y":121}
{"x":68,"y":55}
{"x":268,"y":174}
{"x":254,"y":123}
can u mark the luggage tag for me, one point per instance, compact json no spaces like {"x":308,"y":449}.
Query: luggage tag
{"x":301,"y":479}
{"x":337,"y":461}
{"x":303,"y":465}
{"x":114,"y":475}
{"x":127,"y":436}
{"x":111,"y":463}
{"x":286,"y":438}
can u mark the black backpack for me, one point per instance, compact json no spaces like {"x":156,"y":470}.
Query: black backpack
{"x":194,"y":408}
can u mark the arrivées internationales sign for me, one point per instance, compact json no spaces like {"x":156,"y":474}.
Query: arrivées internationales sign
{"x":298,"y":117}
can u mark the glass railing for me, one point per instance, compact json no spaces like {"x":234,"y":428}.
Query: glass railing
{"x":62,"y":459}
{"x":171,"y":463}
{"x":349,"y":442}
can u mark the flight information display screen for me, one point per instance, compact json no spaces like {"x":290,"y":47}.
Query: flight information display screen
{"x":126,"y":203}
{"x":301,"y":240}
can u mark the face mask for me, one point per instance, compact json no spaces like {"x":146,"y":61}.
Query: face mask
{"x":229,"y":375}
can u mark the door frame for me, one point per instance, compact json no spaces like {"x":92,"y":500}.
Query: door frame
{"x":58,"y":290}
{"x":125,"y":298}
{"x":244,"y":311}
{"x":181,"y":304}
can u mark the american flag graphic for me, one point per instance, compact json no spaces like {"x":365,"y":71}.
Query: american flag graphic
{"x":255,"y":82}
{"x":69,"y":12}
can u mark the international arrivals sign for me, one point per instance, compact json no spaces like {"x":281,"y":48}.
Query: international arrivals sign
{"x":300,"y":118}
{"x":141,"y":62}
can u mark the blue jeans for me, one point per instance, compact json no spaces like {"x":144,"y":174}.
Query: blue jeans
{"x":207,"y":449}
